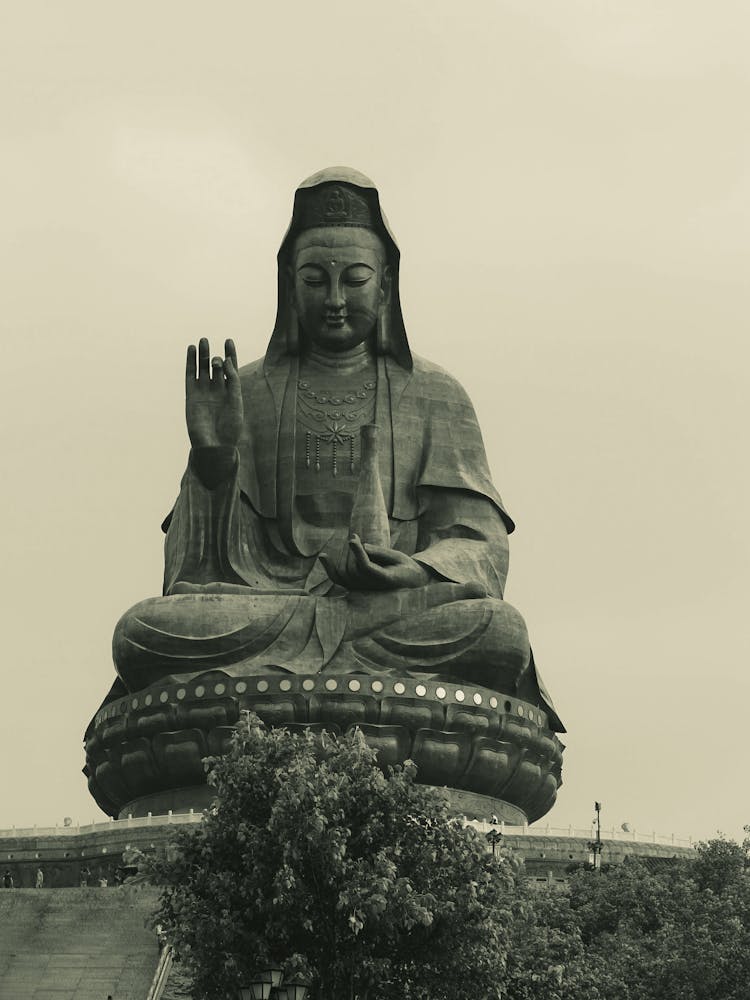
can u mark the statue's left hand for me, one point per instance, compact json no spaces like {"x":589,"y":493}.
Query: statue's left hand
{"x":373,"y":567}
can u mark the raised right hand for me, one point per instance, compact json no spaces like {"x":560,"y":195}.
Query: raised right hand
{"x":213,"y":398}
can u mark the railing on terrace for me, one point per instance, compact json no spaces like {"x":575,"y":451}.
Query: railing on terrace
{"x":483,"y":826}
{"x":130,"y":822}
{"x":587,"y":833}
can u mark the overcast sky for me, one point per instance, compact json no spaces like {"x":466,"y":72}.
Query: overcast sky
{"x":569,"y":182}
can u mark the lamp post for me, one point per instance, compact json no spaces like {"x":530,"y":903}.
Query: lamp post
{"x":262,"y":984}
{"x":494,"y":837}
{"x":595,"y":846}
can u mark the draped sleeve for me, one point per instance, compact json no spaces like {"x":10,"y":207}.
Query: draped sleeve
{"x":463,"y":538}
{"x":436,"y":440}
{"x":214,"y":534}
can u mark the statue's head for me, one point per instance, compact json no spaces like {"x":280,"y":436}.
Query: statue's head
{"x":338,"y":271}
{"x":339,"y":282}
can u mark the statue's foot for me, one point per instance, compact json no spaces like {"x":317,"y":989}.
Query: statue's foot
{"x":482,"y":641}
{"x":190,"y":632}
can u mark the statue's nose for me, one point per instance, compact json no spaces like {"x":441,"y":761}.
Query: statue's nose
{"x":335,"y":298}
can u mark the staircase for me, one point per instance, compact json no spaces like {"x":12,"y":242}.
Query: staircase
{"x":77,"y":944}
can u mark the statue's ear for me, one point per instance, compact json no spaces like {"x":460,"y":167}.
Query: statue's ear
{"x":386,"y":284}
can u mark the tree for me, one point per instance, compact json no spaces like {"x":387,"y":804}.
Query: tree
{"x":314,"y":860}
{"x":666,"y":929}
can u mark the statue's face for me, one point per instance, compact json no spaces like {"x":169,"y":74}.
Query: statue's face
{"x":340,"y":281}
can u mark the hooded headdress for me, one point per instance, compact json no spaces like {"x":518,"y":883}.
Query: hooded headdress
{"x":338,"y":197}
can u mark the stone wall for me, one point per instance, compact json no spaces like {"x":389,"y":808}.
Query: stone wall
{"x":105,"y":848}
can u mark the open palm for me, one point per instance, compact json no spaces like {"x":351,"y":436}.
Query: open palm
{"x":213,"y":398}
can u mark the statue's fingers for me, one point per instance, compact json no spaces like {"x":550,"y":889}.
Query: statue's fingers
{"x":204,"y":356}
{"x":358,"y":551}
{"x":369,"y":571}
{"x":217,"y":373}
{"x":383,"y":556}
{"x":230,"y":372}
{"x":190,"y":365}
{"x":230,"y":352}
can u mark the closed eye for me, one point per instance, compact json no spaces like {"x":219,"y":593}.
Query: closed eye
{"x":312,"y":276}
{"x":358,"y":274}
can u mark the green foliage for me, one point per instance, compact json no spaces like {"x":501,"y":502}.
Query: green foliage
{"x":649,"y":929}
{"x":311,"y":858}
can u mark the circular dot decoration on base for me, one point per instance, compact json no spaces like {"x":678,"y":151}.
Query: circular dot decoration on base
{"x":200,"y":713}
{"x":446,"y":693}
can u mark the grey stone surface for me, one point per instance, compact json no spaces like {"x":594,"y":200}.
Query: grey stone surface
{"x":337,"y":516}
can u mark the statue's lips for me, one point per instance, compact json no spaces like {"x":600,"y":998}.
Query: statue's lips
{"x":336,"y":322}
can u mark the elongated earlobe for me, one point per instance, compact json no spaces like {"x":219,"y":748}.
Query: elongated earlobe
{"x":382,"y":344}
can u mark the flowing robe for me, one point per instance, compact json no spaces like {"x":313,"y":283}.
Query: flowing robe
{"x":244,"y":586}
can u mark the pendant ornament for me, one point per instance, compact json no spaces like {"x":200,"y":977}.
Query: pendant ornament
{"x":333,"y":418}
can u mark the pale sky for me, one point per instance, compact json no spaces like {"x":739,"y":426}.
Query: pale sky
{"x":569,"y":183}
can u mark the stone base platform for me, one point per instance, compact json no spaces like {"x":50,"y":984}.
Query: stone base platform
{"x":144,"y":752}
{"x":198,"y":797}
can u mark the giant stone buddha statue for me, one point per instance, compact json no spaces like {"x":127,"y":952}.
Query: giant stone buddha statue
{"x":337,"y":554}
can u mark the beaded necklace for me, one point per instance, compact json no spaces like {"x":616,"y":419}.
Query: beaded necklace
{"x":334,"y":418}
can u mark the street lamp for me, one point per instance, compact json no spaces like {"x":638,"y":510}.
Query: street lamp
{"x":292,"y":991}
{"x":261,"y":986}
{"x":595,"y":846}
{"x":494,"y":837}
